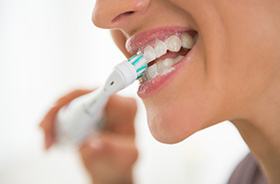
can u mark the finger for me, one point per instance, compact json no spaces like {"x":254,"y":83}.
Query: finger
{"x":60,"y":103}
{"x":91,"y":149}
{"x":70,"y":96}
{"x":48,"y":122}
{"x":109,"y":149}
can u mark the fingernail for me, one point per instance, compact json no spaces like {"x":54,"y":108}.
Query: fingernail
{"x":96,"y":144}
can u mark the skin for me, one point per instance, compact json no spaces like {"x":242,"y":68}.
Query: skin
{"x":234,"y":74}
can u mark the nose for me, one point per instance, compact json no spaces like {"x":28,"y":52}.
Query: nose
{"x":111,"y":14}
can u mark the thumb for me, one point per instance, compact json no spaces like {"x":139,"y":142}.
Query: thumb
{"x":120,"y":114}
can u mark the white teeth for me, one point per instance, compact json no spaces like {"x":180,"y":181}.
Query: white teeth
{"x":149,"y":54}
{"x":173,"y":43}
{"x":160,"y":48}
{"x":178,"y":59}
{"x":165,"y":66}
{"x":187,"y":41}
{"x":167,"y":62}
{"x":161,"y":68}
{"x":152,"y":71}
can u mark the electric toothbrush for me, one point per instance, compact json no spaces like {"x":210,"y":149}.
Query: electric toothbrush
{"x":84,"y":115}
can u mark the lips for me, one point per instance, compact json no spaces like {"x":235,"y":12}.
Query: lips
{"x":164,"y":49}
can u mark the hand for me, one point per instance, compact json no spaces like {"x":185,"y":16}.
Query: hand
{"x":109,"y":156}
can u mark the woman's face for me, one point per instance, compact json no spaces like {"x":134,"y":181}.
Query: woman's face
{"x":225,"y":74}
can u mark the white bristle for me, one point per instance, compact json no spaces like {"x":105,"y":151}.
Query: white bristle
{"x":139,"y":63}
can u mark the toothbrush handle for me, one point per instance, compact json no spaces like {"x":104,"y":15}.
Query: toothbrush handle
{"x":82,"y":116}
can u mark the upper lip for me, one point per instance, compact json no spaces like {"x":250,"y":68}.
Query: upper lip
{"x":142,"y":39}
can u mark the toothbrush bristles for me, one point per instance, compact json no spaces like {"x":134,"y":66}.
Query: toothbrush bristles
{"x":139,"y":63}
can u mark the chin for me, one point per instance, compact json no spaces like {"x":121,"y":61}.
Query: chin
{"x":172,"y":121}
{"x":171,"y":127}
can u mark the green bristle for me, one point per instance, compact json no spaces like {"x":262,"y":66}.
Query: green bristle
{"x":134,"y":60}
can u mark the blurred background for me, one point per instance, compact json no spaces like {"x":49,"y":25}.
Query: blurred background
{"x":49,"y":47}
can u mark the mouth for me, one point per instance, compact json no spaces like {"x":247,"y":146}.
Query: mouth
{"x":165,"y":49}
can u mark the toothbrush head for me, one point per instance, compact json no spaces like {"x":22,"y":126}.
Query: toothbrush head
{"x":139,"y":63}
{"x":126,"y":73}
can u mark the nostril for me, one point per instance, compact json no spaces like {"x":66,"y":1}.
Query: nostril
{"x":128,"y":13}
{"x":125,"y":14}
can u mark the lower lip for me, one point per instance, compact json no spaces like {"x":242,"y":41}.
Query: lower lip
{"x":151,"y":87}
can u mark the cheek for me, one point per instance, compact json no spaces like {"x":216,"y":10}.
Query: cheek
{"x":119,"y":39}
{"x":248,"y":64}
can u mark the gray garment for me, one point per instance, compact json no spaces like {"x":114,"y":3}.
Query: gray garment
{"x":248,"y":172}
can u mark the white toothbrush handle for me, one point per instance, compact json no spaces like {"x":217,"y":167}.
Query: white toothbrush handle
{"x":79,"y":118}
{"x":83,"y":115}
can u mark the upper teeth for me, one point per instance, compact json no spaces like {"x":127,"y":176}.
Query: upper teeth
{"x":149,"y":53}
{"x":187,"y":41}
{"x":160,"y":48}
{"x":173,"y":44}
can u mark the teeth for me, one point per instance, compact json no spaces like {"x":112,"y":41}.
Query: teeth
{"x":165,"y":65}
{"x":160,"y":48}
{"x":167,"y":62}
{"x":173,"y":43}
{"x":187,"y":41}
{"x":149,"y":54}
{"x":178,"y":59}
{"x":152,"y":71}
{"x":161,"y":68}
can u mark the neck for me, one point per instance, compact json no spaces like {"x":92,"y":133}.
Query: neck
{"x":260,"y":130}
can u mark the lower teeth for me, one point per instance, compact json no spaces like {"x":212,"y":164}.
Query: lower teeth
{"x":161,"y":68}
